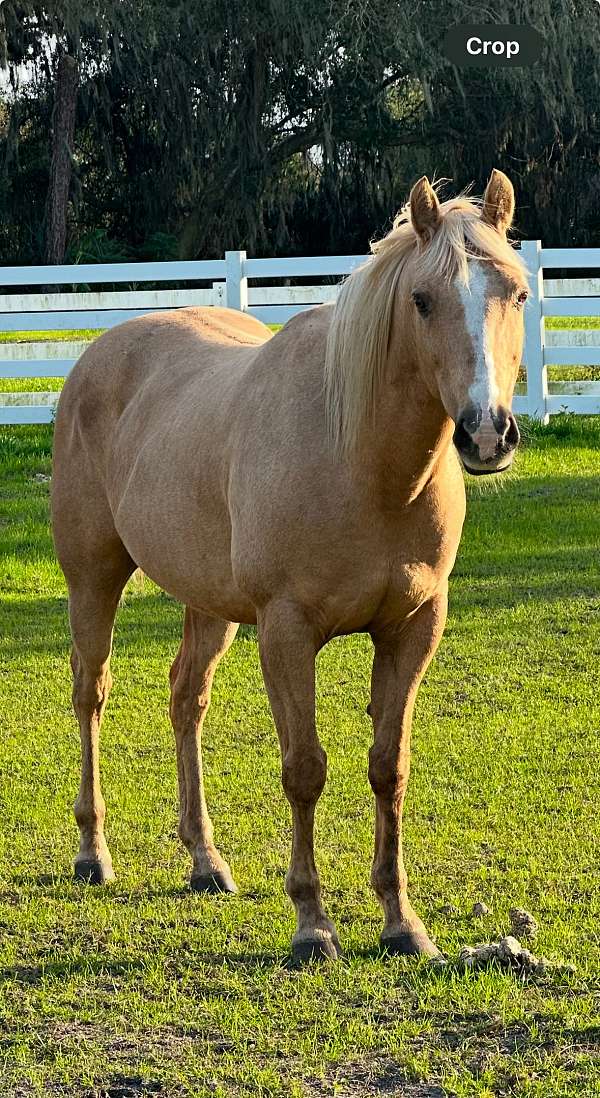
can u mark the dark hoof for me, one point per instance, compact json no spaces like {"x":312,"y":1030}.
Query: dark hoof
{"x":93,"y":872}
{"x":315,"y":949}
{"x":213,"y":883}
{"x":411,"y":944}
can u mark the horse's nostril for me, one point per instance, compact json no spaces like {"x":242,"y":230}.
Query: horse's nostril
{"x":485,"y":442}
{"x":501,"y":421}
{"x":508,"y":432}
{"x":512,"y":437}
{"x":462,"y":438}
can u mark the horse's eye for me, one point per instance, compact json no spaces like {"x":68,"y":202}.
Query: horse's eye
{"x":422,"y":302}
{"x":521,"y":298}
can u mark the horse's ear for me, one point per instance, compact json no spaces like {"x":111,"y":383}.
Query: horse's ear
{"x":499,"y":202}
{"x":425,"y":212}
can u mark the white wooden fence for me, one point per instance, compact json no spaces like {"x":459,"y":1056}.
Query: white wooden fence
{"x":256,"y":285}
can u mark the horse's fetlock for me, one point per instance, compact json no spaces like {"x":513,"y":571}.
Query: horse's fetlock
{"x":185,"y":833}
{"x":387,"y":878}
{"x":300,"y":890}
{"x":90,"y":815}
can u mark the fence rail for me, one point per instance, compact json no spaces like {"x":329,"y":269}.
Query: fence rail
{"x":255,"y":285}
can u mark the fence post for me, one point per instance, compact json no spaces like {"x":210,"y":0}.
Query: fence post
{"x":218,"y":289}
{"x":537,"y":371}
{"x":236,"y":289}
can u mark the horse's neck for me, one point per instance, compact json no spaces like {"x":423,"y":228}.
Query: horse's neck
{"x":411,"y":434}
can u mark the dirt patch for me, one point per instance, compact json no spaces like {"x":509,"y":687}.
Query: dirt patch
{"x":164,"y":1040}
{"x":130,"y":1086}
{"x":121,"y":1086}
{"x":379,"y":1076}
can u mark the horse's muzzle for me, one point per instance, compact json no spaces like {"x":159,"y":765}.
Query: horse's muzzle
{"x":486,"y":445}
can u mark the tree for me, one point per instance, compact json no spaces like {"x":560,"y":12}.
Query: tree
{"x":286,"y":125}
{"x":49,"y":42}
{"x":63,"y":129}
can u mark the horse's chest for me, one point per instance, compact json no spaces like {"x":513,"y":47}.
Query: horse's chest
{"x":416,"y":569}
{"x":409,"y":585}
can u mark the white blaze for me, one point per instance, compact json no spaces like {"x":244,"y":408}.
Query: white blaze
{"x":483,"y":391}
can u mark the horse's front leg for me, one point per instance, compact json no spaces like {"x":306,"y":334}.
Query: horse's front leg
{"x":288,"y":645}
{"x":402,"y":655}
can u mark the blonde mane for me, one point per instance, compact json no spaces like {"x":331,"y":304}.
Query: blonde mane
{"x":358,"y":340}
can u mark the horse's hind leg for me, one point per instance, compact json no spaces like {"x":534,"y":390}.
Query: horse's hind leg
{"x":205,"y":641}
{"x":93,"y":599}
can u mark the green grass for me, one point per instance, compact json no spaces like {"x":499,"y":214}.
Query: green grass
{"x":142,"y":988}
{"x":75,"y":334}
{"x":572,"y":322}
{"x":570,"y":373}
{"x":49,"y":337}
{"x":40,"y":384}
{"x":31,"y":384}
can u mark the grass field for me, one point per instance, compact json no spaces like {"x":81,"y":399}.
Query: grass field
{"x":145,"y":989}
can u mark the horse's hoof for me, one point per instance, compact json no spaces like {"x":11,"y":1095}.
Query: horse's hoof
{"x":213,"y":883}
{"x":411,"y":943}
{"x":315,"y":949}
{"x":94,"y":872}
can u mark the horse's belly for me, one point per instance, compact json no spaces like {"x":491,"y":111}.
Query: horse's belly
{"x":181,"y":540}
{"x":201,"y":579}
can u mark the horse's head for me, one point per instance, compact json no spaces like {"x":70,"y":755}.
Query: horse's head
{"x":469,"y":321}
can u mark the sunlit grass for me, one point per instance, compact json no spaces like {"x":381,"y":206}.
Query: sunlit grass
{"x":49,"y":337}
{"x":142,"y":988}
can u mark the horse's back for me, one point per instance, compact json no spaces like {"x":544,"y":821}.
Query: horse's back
{"x":226,"y":326}
{"x":139,"y":394}
{"x":167,"y":345}
{"x":144,"y":371}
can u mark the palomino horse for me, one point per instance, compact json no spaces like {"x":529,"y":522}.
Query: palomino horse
{"x":306,"y":482}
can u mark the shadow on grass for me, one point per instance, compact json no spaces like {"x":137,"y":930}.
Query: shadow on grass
{"x":61,"y":886}
{"x":94,"y":965}
{"x":33,"y":625}
{"x":409,"y":970}
{"x":64,"y":885}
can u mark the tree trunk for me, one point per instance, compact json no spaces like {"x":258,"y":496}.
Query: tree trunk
{"x":63,"y":128}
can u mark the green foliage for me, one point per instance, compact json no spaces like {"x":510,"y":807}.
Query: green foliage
{"x":96,"y":246}
{"x":158,"y":246}
{"x":293,"y":127}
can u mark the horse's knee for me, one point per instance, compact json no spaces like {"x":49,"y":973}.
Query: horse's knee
{"x":386,"y":777}
{"x":187,"y":707}
{"x":174,"y":670}
{"x":304,"y":775}
{"x":190,"y":695}
{"x":90,"y":690}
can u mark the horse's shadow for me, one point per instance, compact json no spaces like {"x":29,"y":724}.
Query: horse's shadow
{"x":57,"y":885}
{"x":266,"y":959}
{"x":41,"y":625}
{"x":97,"y":965}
